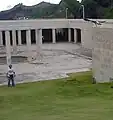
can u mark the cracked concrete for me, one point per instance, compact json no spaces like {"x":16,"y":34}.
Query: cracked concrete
{"x":57,"y":60}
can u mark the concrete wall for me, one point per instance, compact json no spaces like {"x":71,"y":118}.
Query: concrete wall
{"x":86,"y":36}
{"x":103,"y":54}
{"x":85,"y":27}
{"x":41,"y":23}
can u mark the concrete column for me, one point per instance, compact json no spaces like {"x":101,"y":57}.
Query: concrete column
{"x":38,"y":33}
{"x":37,"y":37}
{"x":1,"y":39}
{"x":14,"y":41}
{"x":75,"y":35}
{"x":82,"y":37}
{"x":38,"y":43}
{"x":53,"y":36}
{"x":28,"y":38}
{"x":8,"y":47}
{"x":40,"y":36}
{"x":69,"y":34}
{"x":19,"y":38}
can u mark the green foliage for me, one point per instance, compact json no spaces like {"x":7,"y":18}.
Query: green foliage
{"x":90,"y":8}
{"x":73,"y":6}
{"x":108,"y":13}
{"x":44,"y":12}
{"x":93,"y":8}
{"x":98,"y":8}
{"x":104,"y":3}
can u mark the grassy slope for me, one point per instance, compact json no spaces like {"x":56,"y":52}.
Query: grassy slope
{"x":67,"y":99}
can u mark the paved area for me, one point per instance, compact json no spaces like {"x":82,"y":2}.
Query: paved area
{"x":57,"y":60}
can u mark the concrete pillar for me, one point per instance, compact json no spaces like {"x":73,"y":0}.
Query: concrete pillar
{"x":29,"y":50}
{"x":69,"y":34}
{"x":75,"y":35}
{"x":1,"y":39}
{"x":8,"y":47}
{"x":82,"y":37}
{"x":38,"y":37}
{"x":38,"y":41}
{"x":53,"y":36}
{"x":19,"y":38}
{"x":14,"y":41}
{"x":38,"y":34}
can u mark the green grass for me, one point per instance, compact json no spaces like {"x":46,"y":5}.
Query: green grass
{"x":73,"y":98}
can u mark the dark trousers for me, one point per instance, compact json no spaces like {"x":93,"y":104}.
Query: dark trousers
{"x":11,"y":79}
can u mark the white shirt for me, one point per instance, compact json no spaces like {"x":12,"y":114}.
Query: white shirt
{"x":10,"y":71}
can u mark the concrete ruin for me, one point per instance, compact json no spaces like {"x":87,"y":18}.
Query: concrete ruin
{"x":11,"y":34}
{"x":28,"y":36}
{"x":102,"y":54}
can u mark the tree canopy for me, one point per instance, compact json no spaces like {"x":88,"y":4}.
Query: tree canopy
{"x":73,"y":6}
{"x":93,"y":8}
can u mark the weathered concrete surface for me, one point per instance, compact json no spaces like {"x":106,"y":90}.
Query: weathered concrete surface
{"x":57,"y":60}
{"x":103,"y":54}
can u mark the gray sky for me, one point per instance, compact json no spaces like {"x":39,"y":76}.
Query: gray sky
{"x":7,"y":4}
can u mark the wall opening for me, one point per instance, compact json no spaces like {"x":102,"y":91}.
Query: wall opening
{"x":11,"y":37}
{"x":16,"y":37}
{"x":33,"y":38}
{"x":47,"y":35}
{"x":72,"y":35}
{"x":62,"y":35}
{"x":3,"y":36}
{"x":23,"y":36}
{"x":78,"y":35}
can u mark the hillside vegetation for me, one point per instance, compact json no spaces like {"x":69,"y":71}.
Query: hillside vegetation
{"x":93,"y":9}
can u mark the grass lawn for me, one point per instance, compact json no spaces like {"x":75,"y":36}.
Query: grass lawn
{"x":73,"y":98}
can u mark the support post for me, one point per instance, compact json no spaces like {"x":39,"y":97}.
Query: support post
{"x":53,"y":36}
{"x":8,"y":47}
{"x":14,"y":42}
{"x":69,"y":34}
{"x":38,"y":33}
{"x":19,"y":38}
{"x":75,"y":35}
{"x":1,"y":39}
{"x":28,"y":37}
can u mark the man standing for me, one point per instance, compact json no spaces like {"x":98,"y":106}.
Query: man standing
{"x":10,"y":75}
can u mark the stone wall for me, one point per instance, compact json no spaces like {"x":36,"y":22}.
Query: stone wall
{"x":102,"y":54}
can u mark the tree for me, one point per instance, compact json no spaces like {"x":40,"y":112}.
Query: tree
{"x":91,"y":8}
{"x":104,"y":3}
{"x":73,"y":6}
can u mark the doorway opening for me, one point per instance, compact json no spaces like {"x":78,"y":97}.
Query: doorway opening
{"x":79,"y":36}
{"x":33,"y":38}
{"x":47,"y":35}
{"x":62,"y":35}
{"x":72,"y":35}
{"x":23,"y":36}
{"x":3,"y":36}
